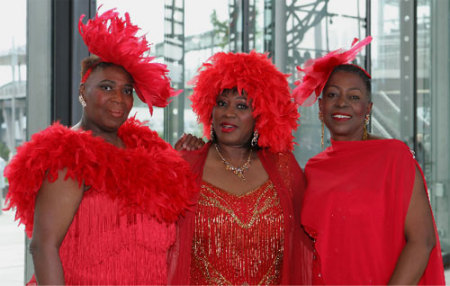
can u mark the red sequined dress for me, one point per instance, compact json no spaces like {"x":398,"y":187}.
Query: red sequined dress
{"x":238,"y":240}
{"x":276,"y":238}
{"x":125,"y":223}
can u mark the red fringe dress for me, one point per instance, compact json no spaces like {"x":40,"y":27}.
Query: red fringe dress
{"x":238,"y":240}
{"x":125,"y":224}
{"x":355,"y":205}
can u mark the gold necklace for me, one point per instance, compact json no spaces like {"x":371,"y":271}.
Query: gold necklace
{"x":238,"y":171}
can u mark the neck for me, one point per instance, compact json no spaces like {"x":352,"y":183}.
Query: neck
{"x":110,"y":136}
{"x":357,"y":136}
{"x":234,"y":154}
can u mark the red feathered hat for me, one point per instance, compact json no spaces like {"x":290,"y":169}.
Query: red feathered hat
{"x":274,"y":110}
{"x":317,"y":71}
{"x":113,"y":40}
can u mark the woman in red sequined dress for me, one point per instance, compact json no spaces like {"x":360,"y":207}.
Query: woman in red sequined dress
{"x":245,"y":228}
{"x":94,"y":198}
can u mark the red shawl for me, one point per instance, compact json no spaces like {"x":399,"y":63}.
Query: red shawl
{"x":355,"y":205}
{"x":289,"y":182}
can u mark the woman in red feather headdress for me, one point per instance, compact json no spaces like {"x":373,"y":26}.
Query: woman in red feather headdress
{"x":365,"y":204}
{"x":95,"y":198}
{"x":245,"y":228}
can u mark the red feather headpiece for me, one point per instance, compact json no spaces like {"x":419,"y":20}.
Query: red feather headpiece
{"x":274,"y":110}
{"x":114,"y":40}
{"x":317,"y":71}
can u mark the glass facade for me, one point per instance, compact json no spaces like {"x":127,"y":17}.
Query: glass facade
{"x":409,"y":60}
{"x":13,"y":129}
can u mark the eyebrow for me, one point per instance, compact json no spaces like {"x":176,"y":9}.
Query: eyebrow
{"x":113,"y":82}
{"x":352,"y":88}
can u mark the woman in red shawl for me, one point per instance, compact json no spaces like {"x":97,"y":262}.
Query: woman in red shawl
{"x":94,"y":198}
{"x":366,"y":204}
{"x":245,"y":228}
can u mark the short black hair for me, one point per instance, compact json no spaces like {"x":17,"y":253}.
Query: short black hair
{"x":356,"y":70}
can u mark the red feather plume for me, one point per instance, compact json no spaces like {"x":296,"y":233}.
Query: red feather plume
{"x":317,"y":71}
{"x":113,"y":40}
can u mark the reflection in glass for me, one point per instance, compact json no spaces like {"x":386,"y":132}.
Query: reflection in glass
{"x":313,"y":28}
{"x":13,"y":116}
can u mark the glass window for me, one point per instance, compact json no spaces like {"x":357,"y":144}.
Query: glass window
{"x":13,"y":102}
{"x":392,"y":70}
{"x":313,"y":28}
{"x":433,"y":104}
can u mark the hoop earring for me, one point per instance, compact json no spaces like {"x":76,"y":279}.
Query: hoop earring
{"x":82,"y":101}
{"x":323,"y":131}
{"x":254,"y":141}
{"x":366,"y":123}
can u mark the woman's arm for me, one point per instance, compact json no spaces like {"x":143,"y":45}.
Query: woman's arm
{"x":420,"y":237}
{"x":56,"y":205}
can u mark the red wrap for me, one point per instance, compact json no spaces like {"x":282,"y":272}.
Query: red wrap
{"x":355,"y":206}
{"x":125,"y":223}
{"x":288,"y":179}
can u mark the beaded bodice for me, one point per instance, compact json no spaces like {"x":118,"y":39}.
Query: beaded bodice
{"x":238,"y":239}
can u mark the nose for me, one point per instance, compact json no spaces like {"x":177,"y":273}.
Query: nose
{"x":341,"y":101}
{"x":229,"y":111}
{"x":118,"y":96}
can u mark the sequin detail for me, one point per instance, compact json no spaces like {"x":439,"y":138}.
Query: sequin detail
{"x":238,"y":240}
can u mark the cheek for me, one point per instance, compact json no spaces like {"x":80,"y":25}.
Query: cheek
{"x":360,"y":109}
{"x":129,"y":103}
{"x":326,"y":107}
{"x":249,"y":120}
{"x":97,"y":98}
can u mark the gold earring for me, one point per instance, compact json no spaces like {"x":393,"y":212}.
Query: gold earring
{"x":366,"y":123}
{"x":82,"y":101}
{"x":323,"y":131}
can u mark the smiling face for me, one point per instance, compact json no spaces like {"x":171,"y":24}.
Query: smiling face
{"x":232,"y":119}
{"x":108,"y":93}
{"x":344,"y":105}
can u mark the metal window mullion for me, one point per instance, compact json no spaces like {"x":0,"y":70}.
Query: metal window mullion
{"x":408,"y":73}
{"x":245,"y":26}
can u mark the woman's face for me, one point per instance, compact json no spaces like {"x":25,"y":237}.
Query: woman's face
{"x":344,"y":106}
{"x":108,"y":93}
{"x":232,"y":119}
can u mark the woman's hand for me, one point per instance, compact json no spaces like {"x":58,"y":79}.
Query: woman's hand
{"x":189,"y":142}
{"x":56,"y":204}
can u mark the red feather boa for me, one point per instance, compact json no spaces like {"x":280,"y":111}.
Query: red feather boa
{"x":275,"y":112}
{"x":147,"y":177}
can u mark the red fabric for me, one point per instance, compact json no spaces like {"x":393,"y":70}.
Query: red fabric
{"x":356,"y":202}
{"x":289,"y":182}
{"x":125,"y":223}
{"x":267,"y":89}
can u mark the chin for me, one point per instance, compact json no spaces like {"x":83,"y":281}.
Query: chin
{"x":114,"y":125}
{"x":230,"y":141}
